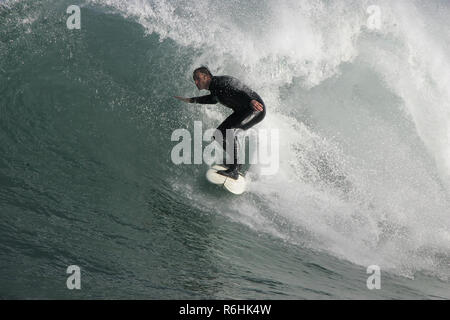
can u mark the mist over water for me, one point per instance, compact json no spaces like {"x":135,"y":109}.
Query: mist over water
{"x":363,"y":115}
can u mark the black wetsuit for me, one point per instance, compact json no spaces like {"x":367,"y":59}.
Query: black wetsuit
{"x":233,"y":94}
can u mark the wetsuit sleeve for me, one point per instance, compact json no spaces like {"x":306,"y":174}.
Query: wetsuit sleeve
{"x":209,"y":99}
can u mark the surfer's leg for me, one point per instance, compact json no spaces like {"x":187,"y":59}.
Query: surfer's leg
{"x":230,"y":123}
{"x":246,"y":121}
{"x":230,"y":143}
{"x":238,"y":120}
{"x":252,"y":119}
{"x":221,"y":137}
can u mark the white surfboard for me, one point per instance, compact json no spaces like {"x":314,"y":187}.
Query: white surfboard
{"x":233,"y":186}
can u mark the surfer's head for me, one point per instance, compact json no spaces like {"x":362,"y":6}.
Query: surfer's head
{"x":202,"y":77}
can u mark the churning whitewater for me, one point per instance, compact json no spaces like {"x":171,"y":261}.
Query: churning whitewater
{"x":358,"y":91}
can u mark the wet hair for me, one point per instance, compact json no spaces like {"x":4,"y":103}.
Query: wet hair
{"x":203,"y":70}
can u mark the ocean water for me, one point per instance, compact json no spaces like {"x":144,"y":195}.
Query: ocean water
{"x":359,"y":91}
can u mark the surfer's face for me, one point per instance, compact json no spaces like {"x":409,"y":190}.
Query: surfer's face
{"x":202,"y":80}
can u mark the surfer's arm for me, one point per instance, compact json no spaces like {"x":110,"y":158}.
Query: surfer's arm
{"x":209,"y":99}
{"x":243,"y":94}
{"x":188,"y":100}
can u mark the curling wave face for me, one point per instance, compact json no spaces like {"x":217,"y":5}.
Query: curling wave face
{"x":363,"y":114}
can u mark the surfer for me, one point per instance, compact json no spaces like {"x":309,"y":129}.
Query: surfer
{"x":248,"y":108}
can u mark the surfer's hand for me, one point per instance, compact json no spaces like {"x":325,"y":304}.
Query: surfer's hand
{"x":256,"y":105}
{"x":188,"y":100}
